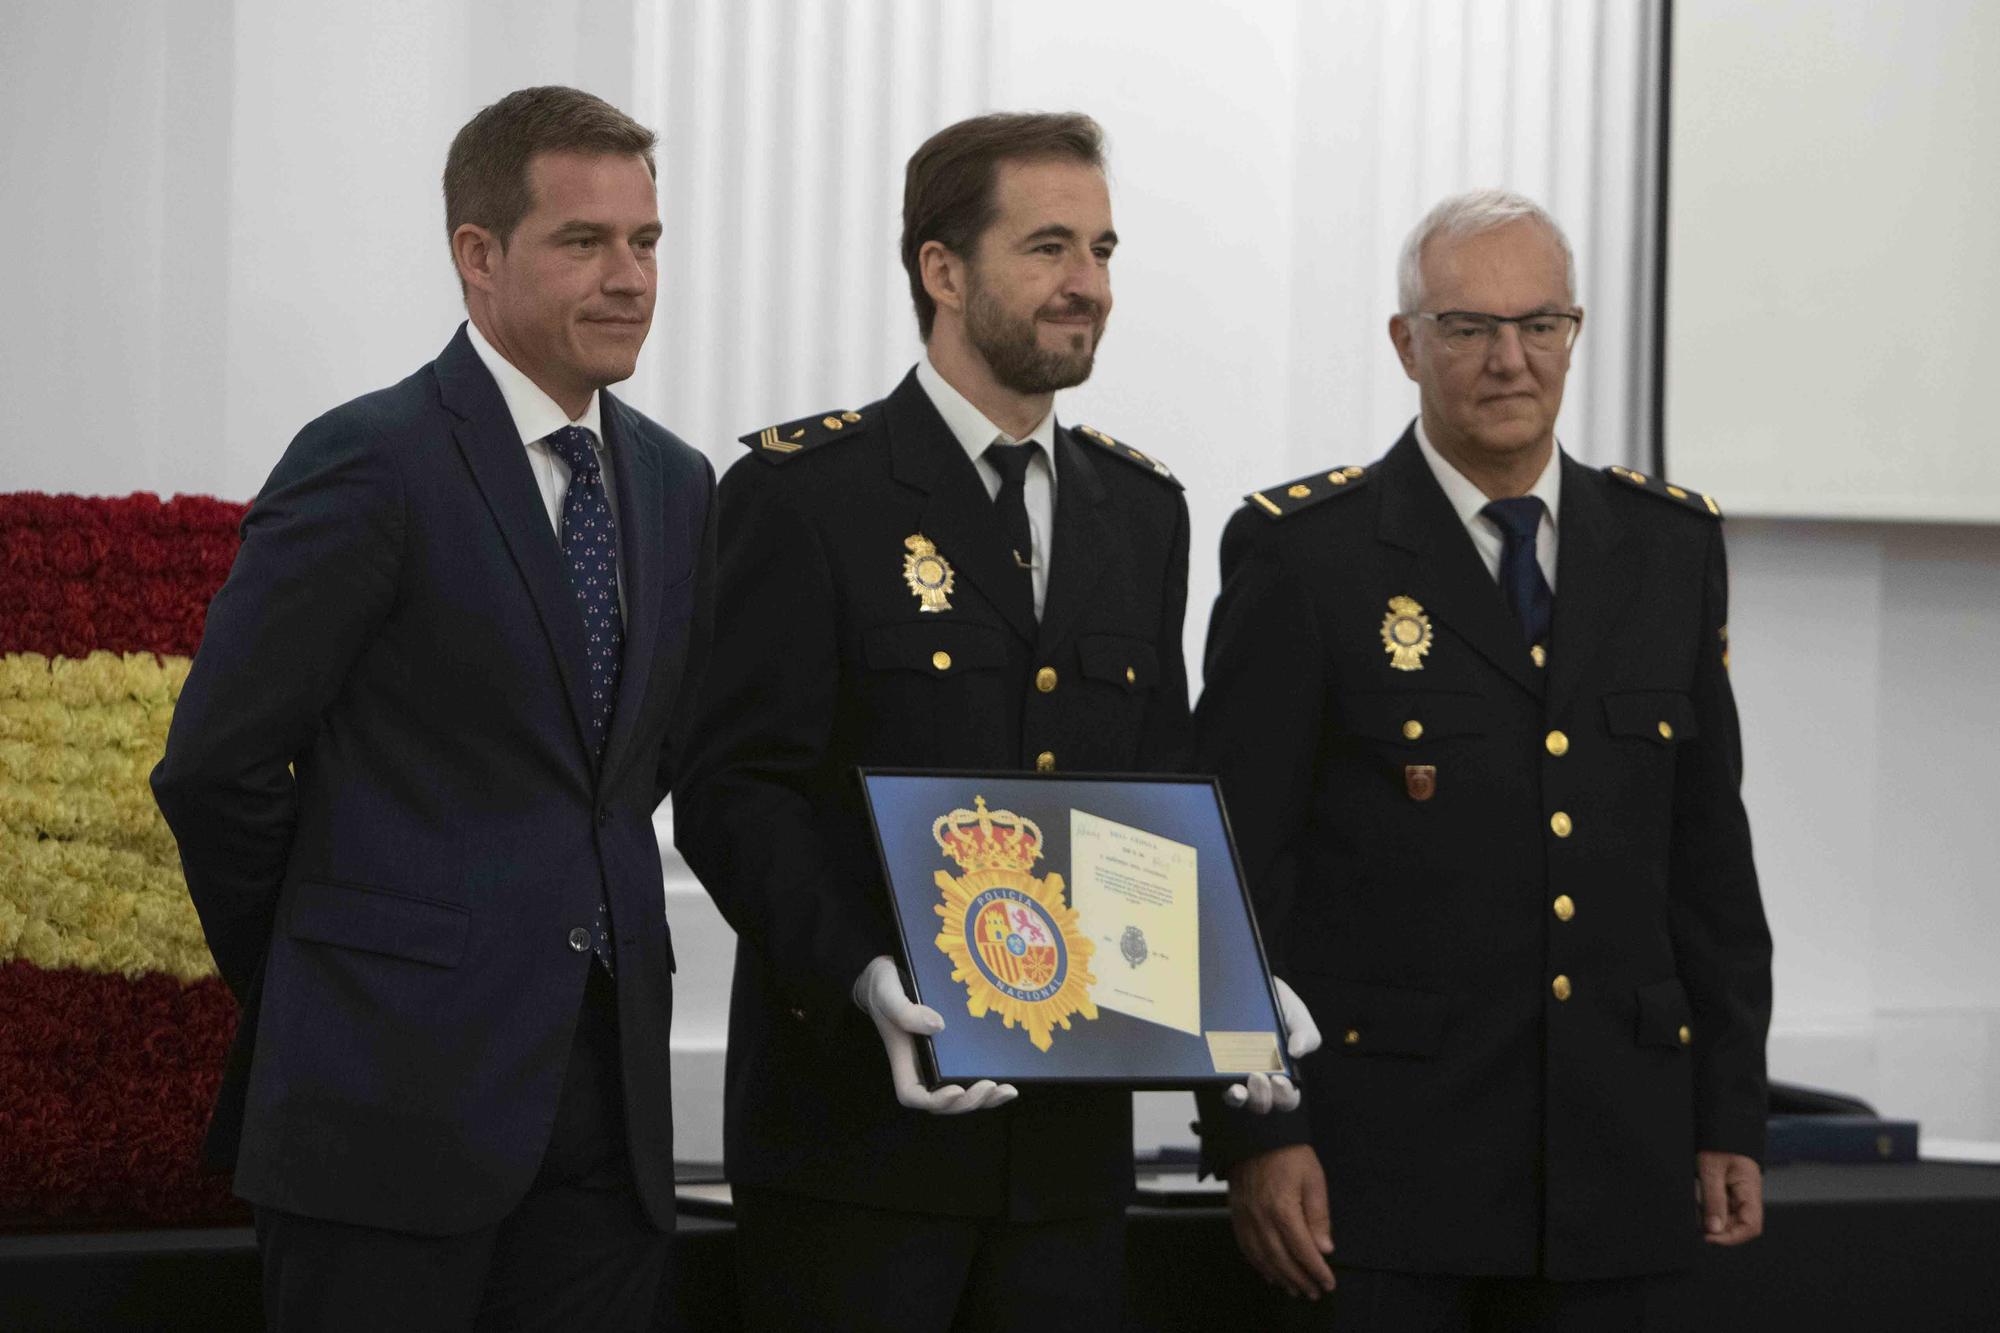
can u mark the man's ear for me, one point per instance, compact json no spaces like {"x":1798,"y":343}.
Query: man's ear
{"x":944,"y":276}
{"x":1404,"y":334}
{"x":477,"y":253}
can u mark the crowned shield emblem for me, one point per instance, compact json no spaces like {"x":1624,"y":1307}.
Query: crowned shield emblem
{"x":1011,"y":937}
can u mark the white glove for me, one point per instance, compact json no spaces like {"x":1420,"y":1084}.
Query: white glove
{"x":900,"y":1020}
{"x":1261,"y":1094}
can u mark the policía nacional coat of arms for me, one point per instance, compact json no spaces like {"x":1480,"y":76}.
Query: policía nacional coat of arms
{"x":1011,"y":938}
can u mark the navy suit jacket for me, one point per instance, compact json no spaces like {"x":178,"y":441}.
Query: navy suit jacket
{"x":389,"y":817}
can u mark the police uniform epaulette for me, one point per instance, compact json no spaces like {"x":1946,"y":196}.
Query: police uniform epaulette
{"x":1654,"y":486}
{"x":1307,"y":491}
{"x":774,"y":444}
{"x":1119,"y":449}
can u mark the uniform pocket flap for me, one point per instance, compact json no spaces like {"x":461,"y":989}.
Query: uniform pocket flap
{"x":1664,"y":716}
{"x":1131,"y":663}
{"x":1663,"y":1014}
{"x":1385,"y":1020}
{"x":1413,"y":717}
{"x":379,"y":921}
{"x":936,"y":648}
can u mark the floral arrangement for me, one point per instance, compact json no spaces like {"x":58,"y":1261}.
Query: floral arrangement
{"x":113,"y":1024}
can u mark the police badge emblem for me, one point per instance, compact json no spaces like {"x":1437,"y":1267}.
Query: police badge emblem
{"x":1406,"y":634}
{"x":1011,"y":938}
{"x":928,"y":573}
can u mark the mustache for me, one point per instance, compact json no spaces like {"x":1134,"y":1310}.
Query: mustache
{"x":1073,"y":306}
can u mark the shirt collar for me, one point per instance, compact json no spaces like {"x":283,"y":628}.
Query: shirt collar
{"x":969,"y":425}
{"x":1467,"y":499}
{"x":535,"y":414}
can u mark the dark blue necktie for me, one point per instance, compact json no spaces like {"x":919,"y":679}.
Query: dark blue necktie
{"x":1528,"y":594}
{"x":590,"y":553}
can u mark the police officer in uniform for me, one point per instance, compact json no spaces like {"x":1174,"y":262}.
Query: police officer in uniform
{"x":1471,"y":713}
{"x":945,"y":578}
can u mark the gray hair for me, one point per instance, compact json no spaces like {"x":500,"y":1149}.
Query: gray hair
{"x":1469,"y":214}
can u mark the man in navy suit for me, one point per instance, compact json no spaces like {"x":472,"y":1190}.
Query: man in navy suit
{"x":413,"y":770}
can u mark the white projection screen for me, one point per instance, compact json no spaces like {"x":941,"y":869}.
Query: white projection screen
{"x":1832,"y":342}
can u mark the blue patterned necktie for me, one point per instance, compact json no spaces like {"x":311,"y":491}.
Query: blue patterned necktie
{"x":590,"y":553}
{"x":1521,"y":578}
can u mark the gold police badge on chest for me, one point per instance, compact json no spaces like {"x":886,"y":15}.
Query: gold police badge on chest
{"x":1406,"y":634}
{"x":928,"y":573}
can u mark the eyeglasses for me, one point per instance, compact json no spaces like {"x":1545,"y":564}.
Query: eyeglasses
{"x":1469,"y":331}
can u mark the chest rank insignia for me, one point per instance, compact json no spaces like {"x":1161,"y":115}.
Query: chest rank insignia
{"x":1406,"y":634}
{"x":1009,"y":936}
{"x":928,"y":573}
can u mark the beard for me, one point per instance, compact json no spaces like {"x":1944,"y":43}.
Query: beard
{"x":1013,"y":351}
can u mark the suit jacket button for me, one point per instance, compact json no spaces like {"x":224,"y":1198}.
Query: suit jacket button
{"x":1561,"y":987}
{"x":579,"y":939}
{"x":798,"y":1013}
{"x":1045,"y":680}
{"x":1045,"y":762}
{"x":603,"y":818}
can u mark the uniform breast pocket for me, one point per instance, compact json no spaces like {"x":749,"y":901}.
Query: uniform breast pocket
{"x":1407,"y":723}
{"x":926,"y":685}
{"x":1662,"y":718}
{"x":1128,"y":665}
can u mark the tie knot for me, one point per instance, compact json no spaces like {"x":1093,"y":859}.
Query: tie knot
{"x":1011,"y":460}
{"x":573,"y":445}
{"x":1518,"y":518}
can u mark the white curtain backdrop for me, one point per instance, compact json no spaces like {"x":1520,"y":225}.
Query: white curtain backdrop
{"x":225,"y":219}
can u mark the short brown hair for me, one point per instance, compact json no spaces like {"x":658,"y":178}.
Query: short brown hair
{"x":486,"y":171}
{"x":948,"y":186}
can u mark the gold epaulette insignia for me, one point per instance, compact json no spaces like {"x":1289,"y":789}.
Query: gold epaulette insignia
{"x":774,"y":444}
{"x":1307,"y":491}
{"x":1654,"y":486}
{"x":1119,"y":449}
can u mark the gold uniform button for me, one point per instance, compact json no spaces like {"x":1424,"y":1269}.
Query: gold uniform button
{"x":1353,"y":1037}
{"x":1560,"y":824}
{"x":1565,"y":909}
{"x":1685,"y":1035}
{"x":1299,"y":492}
{"x":1539,"y":654}
{"x":941,"y":660}
{"x":1557,"y":743}
{"x":1045,"y":679}
{"x":1412,"y":730}
{"x":1560,"y":987}
{"x":1666,"y":730}
{"x":1045,"y":762}
{"x":1131,"y":676}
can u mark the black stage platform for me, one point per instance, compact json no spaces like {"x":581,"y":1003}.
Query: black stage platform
{"x":1869,"y":1247}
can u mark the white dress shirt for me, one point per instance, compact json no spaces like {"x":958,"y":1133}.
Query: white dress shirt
{"x":1467,"y":500}
{"x":974,"y":433}
{"x":536,"y":417}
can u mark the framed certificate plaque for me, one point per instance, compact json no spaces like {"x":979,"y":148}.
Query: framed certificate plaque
{"x":1080,"y":928}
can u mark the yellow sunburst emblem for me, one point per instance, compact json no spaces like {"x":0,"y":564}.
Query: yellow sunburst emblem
{"x":1010,"y":936}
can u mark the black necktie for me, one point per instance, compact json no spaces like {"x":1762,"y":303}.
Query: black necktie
{"x":1011,"y":462}
{"x":1528,"y":593}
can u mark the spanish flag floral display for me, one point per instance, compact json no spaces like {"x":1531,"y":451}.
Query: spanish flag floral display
{"x":113,"y":1023}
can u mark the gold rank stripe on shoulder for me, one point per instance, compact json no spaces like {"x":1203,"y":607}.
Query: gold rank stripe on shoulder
{"x":1654,"y":486}
{"x":776,"y":443}
{"x":1119,"y":449}
{"x":1307,"y":491}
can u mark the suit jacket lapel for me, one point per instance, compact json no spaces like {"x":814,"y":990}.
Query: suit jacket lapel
{"x":1594,"y":579}
{"x":958,"y":514}
{"x":1076,"y":561}
{"x":492,"y":447}
{"x":642,"y":555}
{"x":1451,"y":580}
